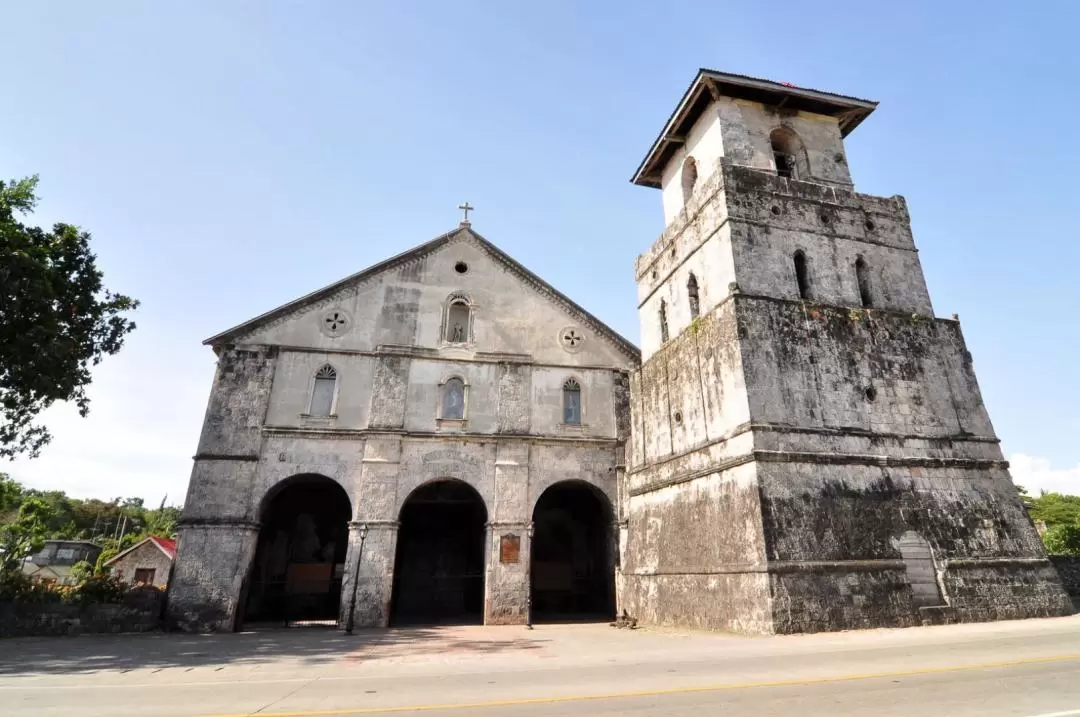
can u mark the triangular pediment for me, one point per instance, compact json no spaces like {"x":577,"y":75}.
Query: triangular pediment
{"x":401,"y":301}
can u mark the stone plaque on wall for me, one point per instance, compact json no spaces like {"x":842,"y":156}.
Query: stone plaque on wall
{"x":509,"y":549}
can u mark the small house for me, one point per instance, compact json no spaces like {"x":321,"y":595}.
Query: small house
{"x":54,"y":561}
{"x":148,"y":562}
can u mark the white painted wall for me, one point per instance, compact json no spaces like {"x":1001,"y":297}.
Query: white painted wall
{"x":739,"y":130}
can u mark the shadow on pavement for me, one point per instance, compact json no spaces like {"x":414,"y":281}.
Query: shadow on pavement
{"x":306,"y":646}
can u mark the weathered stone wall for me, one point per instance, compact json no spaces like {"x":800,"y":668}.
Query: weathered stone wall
{"x":847,"y":430}
{"x":695,"y":554}
{"x":1068,"y":568}
{"x":739,"y":131}
{"x":386,"y":436}
{"x":140,"y":611}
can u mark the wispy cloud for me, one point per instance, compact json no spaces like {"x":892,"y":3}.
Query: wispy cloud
{"x":1036,"y":475}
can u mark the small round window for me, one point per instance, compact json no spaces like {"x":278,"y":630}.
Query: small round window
{"x":461,"y":267}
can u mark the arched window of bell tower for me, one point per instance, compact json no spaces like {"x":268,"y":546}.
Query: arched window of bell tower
{"x":689,"y":178}
{"x":802,"y":274}
{"x":789,"y":155}
{"x":692,"y":294}
{"x":663,"y":321}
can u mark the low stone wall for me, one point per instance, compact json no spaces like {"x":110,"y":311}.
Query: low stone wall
{"x":139,"y":612}
{"x":1068,"y":567}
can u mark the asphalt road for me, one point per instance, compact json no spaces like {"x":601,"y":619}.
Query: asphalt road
{"x":1025,"y":669}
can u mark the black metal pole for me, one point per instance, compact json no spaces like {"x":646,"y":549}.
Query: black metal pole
{"x":356,"y":582}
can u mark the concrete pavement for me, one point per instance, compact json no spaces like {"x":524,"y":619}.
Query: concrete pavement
{"x":1014,"y":668}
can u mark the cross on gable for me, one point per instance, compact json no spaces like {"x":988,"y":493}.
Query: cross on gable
{"x":466,"y":208}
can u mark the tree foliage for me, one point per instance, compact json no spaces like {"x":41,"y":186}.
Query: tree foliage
{"x":1062,"y":539}
{"x":1056,"y":509}
{"x":56,"y":319}
{"x":28,"y":517}
{"x":1061,"y":516}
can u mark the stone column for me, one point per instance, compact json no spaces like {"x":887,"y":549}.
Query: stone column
{"x":369,"y":574}
{"x":210,"y":574}
{"x":506,"y":583}
{"x":376,"y":526}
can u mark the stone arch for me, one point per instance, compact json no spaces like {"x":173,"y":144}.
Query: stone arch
{"x":299,"y":558}
{"x":572,"y":553}
{"x":789,"y":154}
{"x":440,"y":560}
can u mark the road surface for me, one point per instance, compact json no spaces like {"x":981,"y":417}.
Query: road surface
{"x":1026,"y":669}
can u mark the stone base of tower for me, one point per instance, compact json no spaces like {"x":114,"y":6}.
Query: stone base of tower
{"x":807,"y":468}
{"x":781,"y":545}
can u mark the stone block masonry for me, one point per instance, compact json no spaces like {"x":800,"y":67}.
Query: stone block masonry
{"x":810,"y":463}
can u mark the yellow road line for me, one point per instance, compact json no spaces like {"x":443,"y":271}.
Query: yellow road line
{"x":658,"y":692}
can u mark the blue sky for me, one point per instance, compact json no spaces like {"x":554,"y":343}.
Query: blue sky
{"x":231,"y":156}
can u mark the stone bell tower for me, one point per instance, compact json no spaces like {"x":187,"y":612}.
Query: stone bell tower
{"x":810,"y":450}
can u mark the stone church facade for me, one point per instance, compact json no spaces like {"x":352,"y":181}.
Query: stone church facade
{"x":798,"y":446}
{"x":447,"y":389}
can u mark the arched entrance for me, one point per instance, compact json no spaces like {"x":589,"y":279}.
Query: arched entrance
{"x":572,"y":575}
{"x":300,"y":557}
{"x":439,"y":566}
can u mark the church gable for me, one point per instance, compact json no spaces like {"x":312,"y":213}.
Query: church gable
{"x":456,"y":292}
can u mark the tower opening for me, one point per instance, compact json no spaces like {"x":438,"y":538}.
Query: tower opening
{"x":692,"y":293}
{"x":663,"y":321}
{"x":572,"y":572}
{"x":788,"y":155}
{"x":300,"y":556}
{"x":864,"y":283}
{"x":689,"y":178}
{"x":439,"y":565}
{"x":802,"y":274}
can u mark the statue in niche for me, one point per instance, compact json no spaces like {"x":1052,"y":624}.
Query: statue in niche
{"x":454,"y":399}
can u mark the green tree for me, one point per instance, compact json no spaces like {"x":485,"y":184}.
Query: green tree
{"x":56,"y":319}
{"x":1062,"y":540}
{"x":23,"y":534}
{"x":1055,"y":509}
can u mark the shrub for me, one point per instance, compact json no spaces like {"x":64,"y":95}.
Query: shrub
{"x":99,"y":589}
{"x":1062,"y":540}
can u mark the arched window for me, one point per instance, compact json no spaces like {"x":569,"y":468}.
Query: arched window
{"x":788,"y":154}
{"x":453,"y":399}
{"x":457,"y":321}
{"x":571,"y":402}
{"x":692,"y":292}
{"x":322,"y":393}
{"x":862,"y":276}
{"x":689,"y":178}
{"x":802,"y":274}
{"x":663,"y":321}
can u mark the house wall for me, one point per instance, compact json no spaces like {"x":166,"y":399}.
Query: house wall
{"x":146,"y":556}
